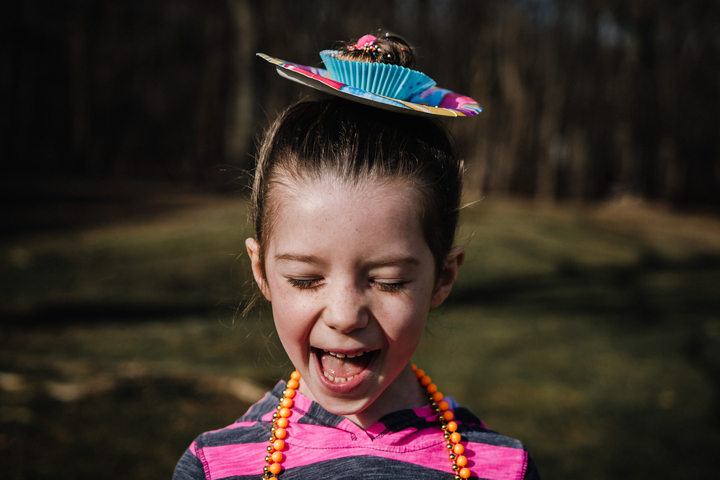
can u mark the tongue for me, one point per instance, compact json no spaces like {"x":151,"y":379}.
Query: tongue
{"x":344,"y":367}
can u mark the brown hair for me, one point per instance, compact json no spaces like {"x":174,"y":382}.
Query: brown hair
{"x":358,"y":144}
{"x":387,"y":48}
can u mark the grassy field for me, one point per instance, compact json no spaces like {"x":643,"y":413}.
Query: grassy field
{"x":590,"y":333}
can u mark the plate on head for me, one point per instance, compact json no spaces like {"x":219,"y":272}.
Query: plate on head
{"x":432,"y":102}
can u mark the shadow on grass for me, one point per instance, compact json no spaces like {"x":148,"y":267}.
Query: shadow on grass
{"x":137,"y":430}
{"x":58,"y":314}
{"x":653,"y":293}
{"x":139,"y":427}
{"x":31,"y":206}
{"x":652,"y":290}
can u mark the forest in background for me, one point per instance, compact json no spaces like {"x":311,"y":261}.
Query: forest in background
{"x":589,"y":331}
{"x":583,"y":100}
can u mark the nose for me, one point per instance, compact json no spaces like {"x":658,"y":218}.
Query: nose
{"x":346,"y":309}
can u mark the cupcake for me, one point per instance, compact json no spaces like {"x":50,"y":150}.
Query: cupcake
{"x":379,"y":65}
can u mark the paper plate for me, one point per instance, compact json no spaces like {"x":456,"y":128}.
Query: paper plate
{"x":432,"y":102}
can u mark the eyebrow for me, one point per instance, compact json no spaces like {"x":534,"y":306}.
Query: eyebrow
{"x":376,"y":262}
{"x":387,"y":261}
{"x":296,"y":257}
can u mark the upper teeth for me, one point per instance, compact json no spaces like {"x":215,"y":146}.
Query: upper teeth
{"x":343,"y":355}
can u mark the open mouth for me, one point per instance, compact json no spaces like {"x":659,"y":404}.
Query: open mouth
{"x":343,"y":367}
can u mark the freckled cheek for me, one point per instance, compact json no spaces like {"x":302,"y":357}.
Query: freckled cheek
{"x":293,"y":316}
{"x":403,"y":320}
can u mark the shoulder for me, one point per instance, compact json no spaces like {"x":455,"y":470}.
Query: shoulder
{"x":491,"y":455}
{"x":494,"y":452}
{"x":217,"y":449}
{"x":189,"y":467}
{"x":234,"y":448}
{"x":474,"y":429}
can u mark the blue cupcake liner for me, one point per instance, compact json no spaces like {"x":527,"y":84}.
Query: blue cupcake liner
{"x":384,"y":79}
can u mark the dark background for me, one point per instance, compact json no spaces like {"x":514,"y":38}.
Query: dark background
{"x":585,"y":321}
{"x":583,"y":100}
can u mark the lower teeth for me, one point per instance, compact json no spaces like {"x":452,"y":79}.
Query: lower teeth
{"x":338,"y":379}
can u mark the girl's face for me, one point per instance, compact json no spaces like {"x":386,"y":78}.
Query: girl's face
{"x":351,"y":280}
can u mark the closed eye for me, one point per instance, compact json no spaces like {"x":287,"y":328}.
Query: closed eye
{"x":304,"y":283}
{"x":391,"y":287}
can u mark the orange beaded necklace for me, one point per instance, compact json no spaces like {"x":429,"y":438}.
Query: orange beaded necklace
{"x":280,"y":422}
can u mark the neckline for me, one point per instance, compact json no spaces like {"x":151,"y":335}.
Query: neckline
{"x":290,"y":400}
{"x":310,"y":412}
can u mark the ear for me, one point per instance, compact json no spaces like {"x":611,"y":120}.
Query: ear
{"x":447,"y":277}
{"x":253,"y":249}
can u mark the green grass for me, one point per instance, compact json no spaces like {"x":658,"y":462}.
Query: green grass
{"x":186,"y":257}
{"x":592,"y":334}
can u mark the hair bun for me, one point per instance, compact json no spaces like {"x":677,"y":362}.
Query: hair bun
{"x":387,"y":48}
{"x":365,"y":40}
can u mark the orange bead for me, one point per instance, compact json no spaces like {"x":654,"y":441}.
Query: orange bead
{"x":414,"y":367}
{"x":278,"y":445}
{"x":425,"y":380}
{"x":282,"y":422}
{"x":295,"y":375}
{"x":280,"y":433}
{"x":289,"y":393}
{"x":437,"y":396}
{"x":452,"y":426}
{"x":461,"y":460}
{"x":275,"y":468}
{"x":278,"y":457}
{"x":293,"y":384}
{"x":286,"y":402}
{"x":273,"y":478}
{"x":448,"y":415}
{"x":455,"y":437}
{"x":419,"y":373}
{"x":458,"y":449}
{"x":443,"y":405}
{"x":285,"y":412}
{"x":464,"y":473}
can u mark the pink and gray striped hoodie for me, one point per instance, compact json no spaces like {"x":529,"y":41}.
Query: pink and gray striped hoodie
{"x":406,"y":444}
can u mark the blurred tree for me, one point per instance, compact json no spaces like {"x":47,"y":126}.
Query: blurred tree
{"x":583,"y":100}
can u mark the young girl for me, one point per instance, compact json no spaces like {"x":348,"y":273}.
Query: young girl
{"x":355,"y":211}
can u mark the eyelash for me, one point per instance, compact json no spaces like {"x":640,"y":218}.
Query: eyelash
{"x":391,"y":287}
{"x":305,"y":284}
